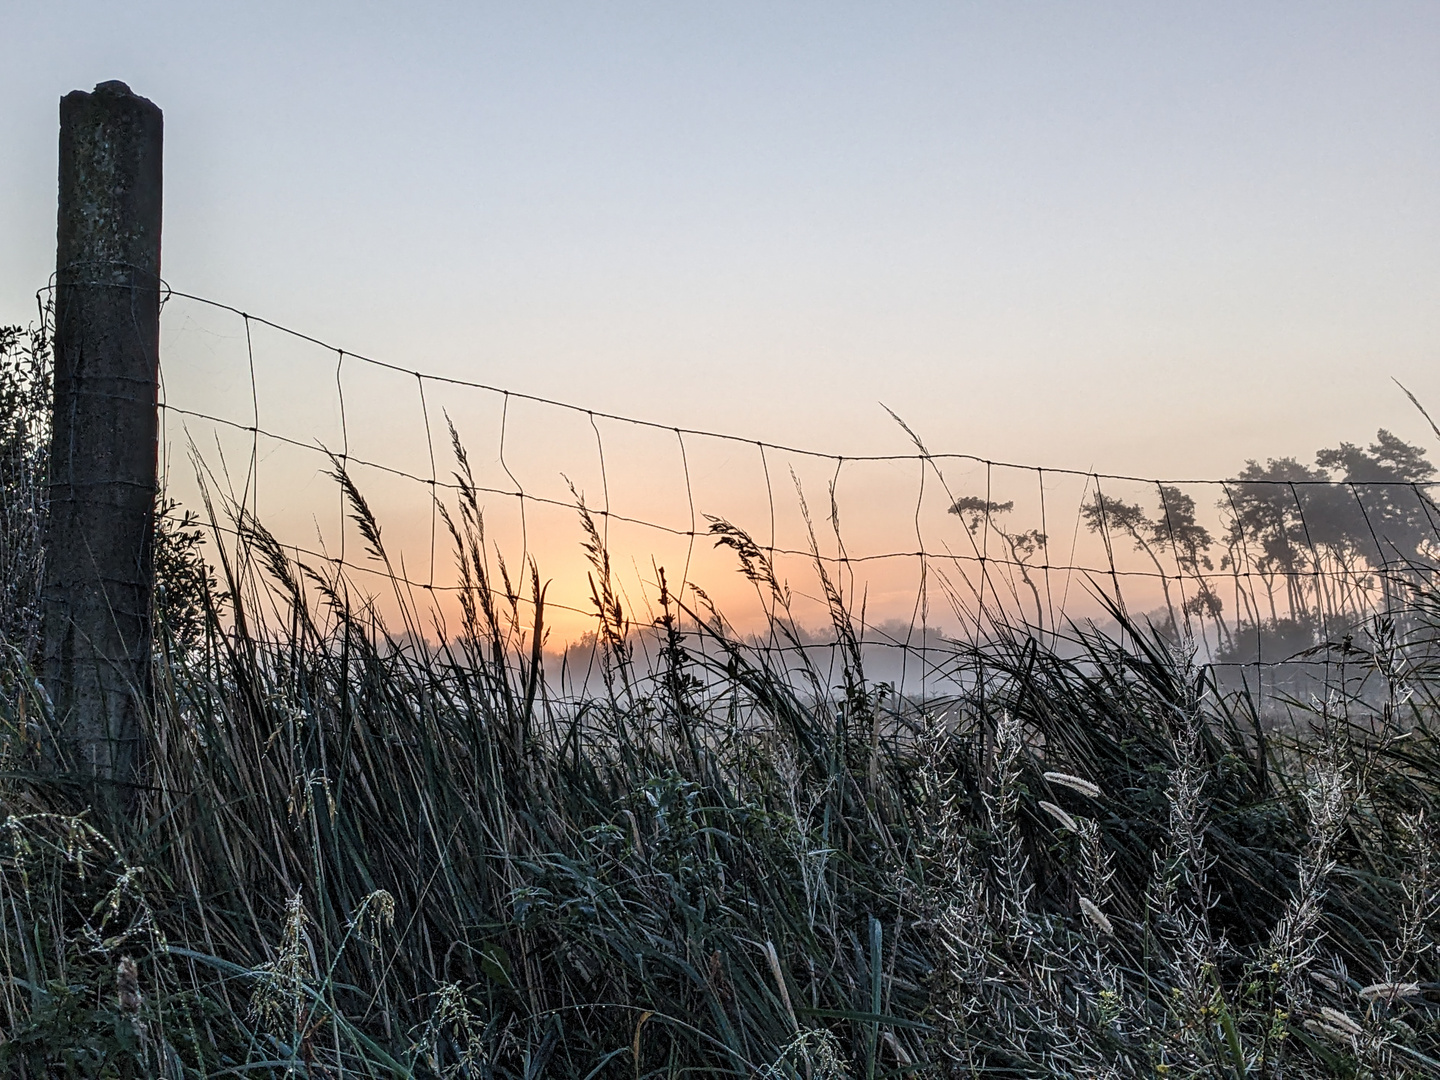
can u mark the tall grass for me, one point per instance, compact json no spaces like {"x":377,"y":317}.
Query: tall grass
{"x":357,"y":854}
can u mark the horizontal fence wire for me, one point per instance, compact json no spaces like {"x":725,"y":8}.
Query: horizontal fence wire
{"x":349,"y":354}
{"x":351,"y":461}
{"x":1266,"y":570}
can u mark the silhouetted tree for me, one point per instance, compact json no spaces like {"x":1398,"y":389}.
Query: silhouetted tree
{"x":1381,"y":512}
{"x":1266,"y":532}
{"x":977,"y":513}
{"x":1107,"y":516}
{"x":1191,"y":543}
{"x":1329,"y":532}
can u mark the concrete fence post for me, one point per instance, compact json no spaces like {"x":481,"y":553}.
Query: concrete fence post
{"x":99,"y":569}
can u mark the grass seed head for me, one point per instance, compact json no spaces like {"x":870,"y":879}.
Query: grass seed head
{"x":1066,"y":821}
{"x":1074,"y":783}
{"x":1389,"y":991}
{"x":1340,"y":1021}
{"x":1096,"y":917}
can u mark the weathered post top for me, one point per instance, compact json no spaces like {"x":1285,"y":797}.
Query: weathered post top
{"x":98,"y":559}
{"x":110,"y":186}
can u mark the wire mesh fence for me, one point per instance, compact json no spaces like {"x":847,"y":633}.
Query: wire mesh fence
{"x":1268,"y":575}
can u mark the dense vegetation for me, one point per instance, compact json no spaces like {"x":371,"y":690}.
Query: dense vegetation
{"x":353,"y":854}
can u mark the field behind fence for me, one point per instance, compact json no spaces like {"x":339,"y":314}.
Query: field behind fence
{"x":1259,"y":573}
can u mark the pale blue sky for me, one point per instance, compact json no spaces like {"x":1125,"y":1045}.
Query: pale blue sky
{"x":1153,"y":238}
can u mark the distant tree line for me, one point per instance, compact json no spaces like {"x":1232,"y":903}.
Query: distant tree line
{"x":1297,"y":545}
